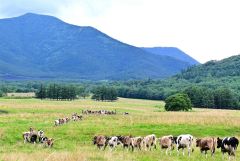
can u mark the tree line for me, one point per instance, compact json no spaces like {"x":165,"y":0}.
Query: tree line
{"x":57,"y":92}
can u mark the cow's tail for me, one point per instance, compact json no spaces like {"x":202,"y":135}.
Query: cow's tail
{"x":237,"y":142}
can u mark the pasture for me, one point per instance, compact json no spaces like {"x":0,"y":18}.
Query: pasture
{"x":73,"y":141}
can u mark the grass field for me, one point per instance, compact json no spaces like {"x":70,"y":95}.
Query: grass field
{"x":74,"y":140}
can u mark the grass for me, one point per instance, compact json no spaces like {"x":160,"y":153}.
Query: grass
{"x":73,"y":140}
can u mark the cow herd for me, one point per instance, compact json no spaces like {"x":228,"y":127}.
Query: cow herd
{"x":65,"y":120}
{"x":101,"y":112}
{"x":33,"y":136}
{"x":147,"y":143}
{"x":185,"y":141}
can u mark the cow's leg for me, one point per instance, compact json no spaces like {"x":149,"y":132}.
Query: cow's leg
{"x":206,"y":153}
{"x":167,"y":151}
{"x":212,"y":152}
{"x":189,"y":150}
{"x":177,"y":150}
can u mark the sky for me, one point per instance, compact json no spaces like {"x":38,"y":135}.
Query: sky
{"x":204,"y":29}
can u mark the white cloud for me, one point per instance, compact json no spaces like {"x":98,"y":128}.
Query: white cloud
{"x":205,"y":29}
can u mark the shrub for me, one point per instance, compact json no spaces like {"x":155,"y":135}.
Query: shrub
{"x":178,"y":102}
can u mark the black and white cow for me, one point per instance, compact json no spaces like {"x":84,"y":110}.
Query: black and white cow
{"x":228,"y":145}
{"x":184,"y":141}
{"x":113,"y":142}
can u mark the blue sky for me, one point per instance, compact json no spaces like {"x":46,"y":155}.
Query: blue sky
{"x":204,"y":29}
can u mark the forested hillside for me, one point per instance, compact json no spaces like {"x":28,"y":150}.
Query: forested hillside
{"x":215,"y":84}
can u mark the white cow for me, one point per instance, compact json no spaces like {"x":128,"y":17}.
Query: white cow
{"x":184,"y":141}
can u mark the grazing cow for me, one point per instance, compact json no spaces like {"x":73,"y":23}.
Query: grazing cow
{"x":126,"y":141}
{"x":101,"y":141}
{"x":228,"y":145}
{"x":136,"y":142}
{"x":184,"y":141}
{"x":48,"y":142}
{"x":149,"y":141}
{"x":206,"y":144}
{"x":76,"y":117}
{"x":33,"y":135}
{"x":26,"y":137}
{"x":61,"y":121}
{"x":167,"y":142}
{"x":56,"y":123}
{"x":33,"y":138}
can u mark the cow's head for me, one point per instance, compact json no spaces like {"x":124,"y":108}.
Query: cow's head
{"x":175,"y":139}
{"x":40,"y":133}
{"x":219,"y":142}
{"x":120,"y":138}
{"x":94,"y":140}
{"x":198,"y":142}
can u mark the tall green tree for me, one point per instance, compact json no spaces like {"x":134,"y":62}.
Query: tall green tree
{"x":178,"y":102}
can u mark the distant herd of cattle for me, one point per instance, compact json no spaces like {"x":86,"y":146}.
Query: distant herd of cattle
{"x":185,"y":141}
{"x":228,"y":144}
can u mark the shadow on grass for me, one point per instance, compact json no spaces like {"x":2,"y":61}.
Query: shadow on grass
{"x":3,"y":112}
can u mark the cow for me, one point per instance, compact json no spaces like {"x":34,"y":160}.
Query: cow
{"x":167,"y":142}
{"x":126,"y":141}
{"x":136,"y":142}
{"x":33,"y":135}
{"x":113,"y":142}
{"x":48,"y":142}
{"x":101,"y":141}
{"x":33,"y":138}
{"x":76,"y":117}
{"x":56,"y":123}
{"x":228,"y":145}
{"x":205,"y":144}
{"x":149,"y":141}
{"x":26,"y":137}
{"x":184,"y":141}
{"x":40,"y":136}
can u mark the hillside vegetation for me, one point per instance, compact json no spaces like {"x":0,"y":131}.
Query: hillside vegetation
{"x":214,"y":84}
{"x":74,"y":140}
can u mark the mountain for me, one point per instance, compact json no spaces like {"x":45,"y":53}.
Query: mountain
{"x":36,"y":46}
{"x":172,"y":52}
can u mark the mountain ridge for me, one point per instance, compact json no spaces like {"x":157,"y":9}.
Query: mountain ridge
{"x":42,"y":46}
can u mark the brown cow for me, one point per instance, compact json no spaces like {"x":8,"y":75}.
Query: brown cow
{"x":126,"y":141}
{"x":167,"y":142}
{"x":101,"y":141}
{"x":206,"y":144}
{"x":48,"y":142}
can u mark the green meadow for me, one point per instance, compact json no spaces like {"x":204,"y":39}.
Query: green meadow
{"x":73,"y":141}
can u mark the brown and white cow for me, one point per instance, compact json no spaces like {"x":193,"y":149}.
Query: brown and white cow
{"x":205,"y":144}
{"x":167,"y":142}
{"x":149,"y":141}
{"x":136,"y":142}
